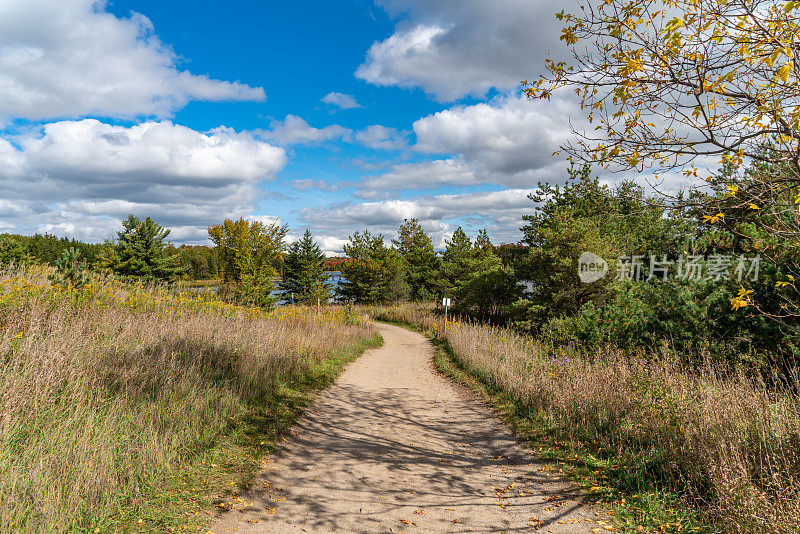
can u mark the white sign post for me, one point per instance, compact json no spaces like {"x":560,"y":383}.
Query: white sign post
{"x":446,"y":304}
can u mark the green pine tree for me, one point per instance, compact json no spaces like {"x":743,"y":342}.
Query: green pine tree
{"x":375,"y":273}
{"x":140,"y":251}
{"x":463,"y":261}
{"x":72,"y":270}
{"x":422,"y":263}
{"x":304,"y":276}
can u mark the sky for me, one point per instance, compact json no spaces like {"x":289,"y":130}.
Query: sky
{"x":332,"y":116}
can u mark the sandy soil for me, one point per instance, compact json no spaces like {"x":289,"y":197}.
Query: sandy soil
{"x":393,"y":446}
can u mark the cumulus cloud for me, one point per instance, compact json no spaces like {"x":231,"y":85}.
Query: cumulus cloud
{"x":453,"y":49}
{"x":294,"y":130}
{"x":71,"y":58}
{"x":81,"y":177}
{"x":425,"y":175}
{"x":510,"y":140}
{"x":382,"y":138}
{"x":341,"y":101}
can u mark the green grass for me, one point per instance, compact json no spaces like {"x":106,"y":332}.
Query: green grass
{"x":629,"y":493}
{"x":225,"y":466}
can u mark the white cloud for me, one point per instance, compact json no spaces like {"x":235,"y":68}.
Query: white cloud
{"x":82,"y":177}
{"x":294,"y":130}
{"x":382,"y":138}
{"x":341,"y":101}
{"x":509,"y":140}
{"x":425,"y":175}
{"x":453,"y":49}
{"x":70,"y":58}
{"x":330,"y":245}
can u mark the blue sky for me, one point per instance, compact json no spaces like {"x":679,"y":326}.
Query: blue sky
{"x":337,"y":116}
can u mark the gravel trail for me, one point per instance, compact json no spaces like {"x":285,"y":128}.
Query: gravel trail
{"x":392,"y":446}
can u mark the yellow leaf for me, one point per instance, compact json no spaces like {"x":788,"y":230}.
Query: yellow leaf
{"x":784,"y":71}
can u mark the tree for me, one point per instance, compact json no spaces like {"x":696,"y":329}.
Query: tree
{"x":71,"y":270}
{"x":376,"y":272}
{"x":422,"y":263}
{"x":664,"y":82}
{"x":140,"y":251}
{"x":304,"y":274}
{"x":462,"y":261}
{"x":250,"y":253}
{"x":13,"y":251}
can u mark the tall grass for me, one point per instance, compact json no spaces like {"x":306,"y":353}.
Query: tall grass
{"x":106,"y":390}
{"x":724,"y":441}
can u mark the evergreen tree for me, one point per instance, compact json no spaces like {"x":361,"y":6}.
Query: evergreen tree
{"x":71,"y":270}
{"x":304,"y":274}
{"x":422,"y":263}
{"x":463,"y":261}
{"x":375,"y":273}
{"x":13,"y":251}
{"x":140,"y":251}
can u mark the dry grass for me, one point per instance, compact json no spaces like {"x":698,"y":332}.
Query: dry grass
{"x":725,"y":442}
{"x":106,"y":391}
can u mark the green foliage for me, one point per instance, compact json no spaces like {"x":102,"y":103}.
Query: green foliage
{"x":71,"y":270}
{"x":488,"y":293}
{"x":462,"y":261}
{"x":196,"y":262}
{"x":422,"y":264}
{"x":376,"y":272}
{"x":587,"y":216}
{"x":304,"y":277}
{"x":250,"y":255}
{"x":139,"y":251}
{"x":474,"y":276}
{"x":13,"y":251}
{"x":48,"y":248}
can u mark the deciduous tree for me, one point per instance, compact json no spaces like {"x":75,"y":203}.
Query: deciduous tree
{"x":250,"y":254}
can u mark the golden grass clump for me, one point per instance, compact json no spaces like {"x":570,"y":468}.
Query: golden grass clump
{"x":724,"y":441}
{"x":106,"y":389}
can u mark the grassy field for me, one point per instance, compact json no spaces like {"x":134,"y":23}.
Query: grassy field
{"x":668,"y":449}
{"x":131,"y":408}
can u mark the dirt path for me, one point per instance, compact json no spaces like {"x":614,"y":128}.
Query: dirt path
{"x":394,"y":447}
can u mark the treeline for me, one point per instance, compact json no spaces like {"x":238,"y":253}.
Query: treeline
{"x":196,"y":262}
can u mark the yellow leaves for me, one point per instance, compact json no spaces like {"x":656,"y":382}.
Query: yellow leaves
{"x":732,"y":190}
{"x":713,"y":219}
{"x":674,"y":24}
{"x":783,"y":72}
{"x":753,"y":206}
{"x":780,"y":284}
{"x":568,"y":35}
{"x":741,"y":300}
